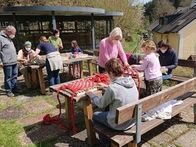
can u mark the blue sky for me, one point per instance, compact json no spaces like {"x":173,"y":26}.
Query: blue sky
{"x":136,"y":2}
{"x":144,"y":1}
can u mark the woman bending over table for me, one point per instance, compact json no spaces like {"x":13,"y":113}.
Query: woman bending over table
{"x":53,"y":60}
{"x":111,"y":47}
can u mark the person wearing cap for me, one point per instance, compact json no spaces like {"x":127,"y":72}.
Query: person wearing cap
{"x":56,"y":40}
{"x":25,"y":53}
{"x":168,"y":59}
{"x":24,"y":56}
{"x":8,"y":60}
{"x":111,"y":47}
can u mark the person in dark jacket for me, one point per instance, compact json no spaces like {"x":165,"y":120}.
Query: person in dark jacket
{"x":168,"y":59}
{"x":8,"y":58}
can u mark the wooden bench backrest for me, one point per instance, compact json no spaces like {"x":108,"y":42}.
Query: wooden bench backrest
{"x":187,"y":63}
{"x":126,"y":112}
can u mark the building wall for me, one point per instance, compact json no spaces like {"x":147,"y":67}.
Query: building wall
{"x":187,"y":45}
{"x":171,"y":38}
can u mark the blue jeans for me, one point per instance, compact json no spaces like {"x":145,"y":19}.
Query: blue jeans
{"x":167,"y":76}
{"x":101,"y":117}
{"x":10,"y":77}
{"x":53,"y":76}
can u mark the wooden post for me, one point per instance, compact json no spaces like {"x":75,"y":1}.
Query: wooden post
{"x":41,"y":81}
{"x":194,"y":110}
{"x":34,"y":80}
{"x":88,"y":114}
{"x":114,"y":145}
{"x":81,"y":69}
{"x":90,"y":68}
{"x":132,"y":144}
{"x":194,"y":74}
{"x":67,"y":111}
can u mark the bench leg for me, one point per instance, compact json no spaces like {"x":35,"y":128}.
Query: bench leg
{"x":194,"y":110}
{"x":88,"y":114}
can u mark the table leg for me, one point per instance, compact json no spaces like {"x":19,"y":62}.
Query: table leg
{"x":81,"y":69}
{"x":90,"y":68}
{"x":41,"y":81}
{"x":88,"y":113}
{"x":27,"y":77}
{"x":34,"y":81}
{"x":67,"y":111}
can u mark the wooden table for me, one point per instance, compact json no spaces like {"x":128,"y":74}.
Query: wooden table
{"x":81,"y":59}
{"x":36,"y":78}
{"x":87,"y":109}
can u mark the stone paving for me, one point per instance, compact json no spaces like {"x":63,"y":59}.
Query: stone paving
{"x":29,"y":108}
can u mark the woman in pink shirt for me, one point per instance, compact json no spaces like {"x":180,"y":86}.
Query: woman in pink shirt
{"x":151,"y":67}
{"x":111,"y":47}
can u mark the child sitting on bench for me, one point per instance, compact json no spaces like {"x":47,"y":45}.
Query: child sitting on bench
{"x":120,"y":92}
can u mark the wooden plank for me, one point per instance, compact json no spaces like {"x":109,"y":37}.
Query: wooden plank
{"x":88,"y":114}
{"x":122,"y":138}
{"x":114,"y":145}
{"x":41,"y":81}
{"x":81,"y":69}
{"x":132,"y":144}
{"x":186,"y":63}
{"x":194,"y":110}
{"x":179,"y":78}
{"x":67,"y":111}
{"x":126,"y":112}
{"x":34,"y":78}
{"x":90,"y":68}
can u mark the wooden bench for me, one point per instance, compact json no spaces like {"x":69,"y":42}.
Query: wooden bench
{"x":184,"y":63}
{"x":133,"y":136}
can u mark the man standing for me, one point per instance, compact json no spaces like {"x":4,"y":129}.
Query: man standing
{"x":8,"y":57}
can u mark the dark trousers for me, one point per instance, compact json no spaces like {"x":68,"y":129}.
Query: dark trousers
{"x":53,"y":76}
{"x":10,"y":76}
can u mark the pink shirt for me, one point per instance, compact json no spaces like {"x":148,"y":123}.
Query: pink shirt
{"x":108,"y":50}
{"x":150,"y":66}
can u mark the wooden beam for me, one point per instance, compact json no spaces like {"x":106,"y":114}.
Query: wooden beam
{"x":186,"y":63}
{"x":88,"y":114}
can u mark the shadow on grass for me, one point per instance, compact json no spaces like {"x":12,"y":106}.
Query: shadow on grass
{"x":49,"y":135}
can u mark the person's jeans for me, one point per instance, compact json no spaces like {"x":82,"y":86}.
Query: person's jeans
{"x":53,"y":76}
{"x":167,"y":76}
{"x":101,"y":117}
{"x":10,"y":77}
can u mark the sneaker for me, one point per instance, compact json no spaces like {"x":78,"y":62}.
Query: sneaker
{"x":10,"y":94}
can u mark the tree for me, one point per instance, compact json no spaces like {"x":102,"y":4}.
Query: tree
{"x":158,"y":8}
{"x":163,"y":7}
